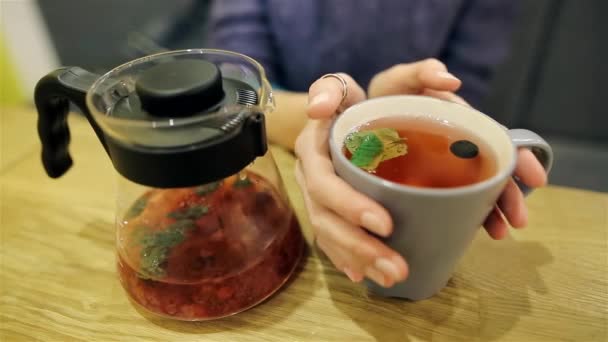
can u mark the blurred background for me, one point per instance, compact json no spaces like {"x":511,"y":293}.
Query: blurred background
{"x":553,"y":81}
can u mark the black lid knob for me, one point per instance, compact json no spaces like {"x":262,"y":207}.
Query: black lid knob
{"x":179,"y":88}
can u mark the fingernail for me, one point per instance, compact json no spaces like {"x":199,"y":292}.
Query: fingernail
{"x":353,"y":276}
{"x":447,"y":75}
{"x":388,"y":268}
{"x":319,"y":98}
{"x":372,"y":222}
{"x":376,"y":276}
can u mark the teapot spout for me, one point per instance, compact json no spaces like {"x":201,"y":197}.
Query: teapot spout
{"x":52,"y":96}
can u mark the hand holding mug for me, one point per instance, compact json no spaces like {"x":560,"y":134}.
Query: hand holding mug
{"x":340,"y":214}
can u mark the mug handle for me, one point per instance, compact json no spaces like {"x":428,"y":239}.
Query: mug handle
{"x":539,"y":147}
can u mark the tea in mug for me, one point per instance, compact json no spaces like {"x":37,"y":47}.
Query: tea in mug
{"x":421,"y":151}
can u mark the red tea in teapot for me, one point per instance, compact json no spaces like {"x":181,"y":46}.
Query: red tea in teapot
{"x":420,"y":152}
{"x":210,"y":251}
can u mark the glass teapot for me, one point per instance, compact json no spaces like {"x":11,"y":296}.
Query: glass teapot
{"x":203,"y":226}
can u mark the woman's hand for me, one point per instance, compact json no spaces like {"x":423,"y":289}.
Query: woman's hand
{"x":339,"y":214}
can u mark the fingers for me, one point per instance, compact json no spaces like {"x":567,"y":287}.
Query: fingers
{"x":339,"y":259}
{"x":511,"y":208}
{"x":445,"y":95}
{"x":349,"y":248}
{"x":342,"y":260}
{"x":330,"y":191}
{"x":354,"y":251}
{"x":495,"y":225}
{"x":529,"y":169}
{"x":337,"y":222}
{"x":512,"y":205}
{"x":325,"y":96}
{"x":357,"y":209}
{"x":413,"y":78}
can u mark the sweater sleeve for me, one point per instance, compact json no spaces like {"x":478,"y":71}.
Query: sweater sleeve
{"x":479,"y":43}
{"x":242,"y":26}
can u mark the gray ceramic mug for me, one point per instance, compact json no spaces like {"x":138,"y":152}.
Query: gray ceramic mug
{"x":432,"y":227}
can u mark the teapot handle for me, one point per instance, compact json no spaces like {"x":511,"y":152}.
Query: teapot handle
{"x":52,"y":96}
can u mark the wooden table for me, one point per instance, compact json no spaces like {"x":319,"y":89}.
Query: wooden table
{"x":58,"y":283}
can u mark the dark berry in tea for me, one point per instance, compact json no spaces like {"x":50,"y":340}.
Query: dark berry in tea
{"x":420,"y":152}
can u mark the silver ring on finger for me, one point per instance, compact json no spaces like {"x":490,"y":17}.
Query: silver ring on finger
{"x":342,"y":81}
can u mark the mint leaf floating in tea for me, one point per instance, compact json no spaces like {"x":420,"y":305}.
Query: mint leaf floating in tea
{"x":394,"y":145}
{"x":191,"y":213}
{"x":370,"y":148}
{"x":156,"y":246}
{"x":354,"y":140}
{"x":155,"y":250}
{"x":137,"y":208}
{"x":206,"y":189}
{"x":464,"y":149}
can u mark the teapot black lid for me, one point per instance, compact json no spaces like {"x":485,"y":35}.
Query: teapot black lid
{"x":166,"y":92}
{"x":183,"y":88}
